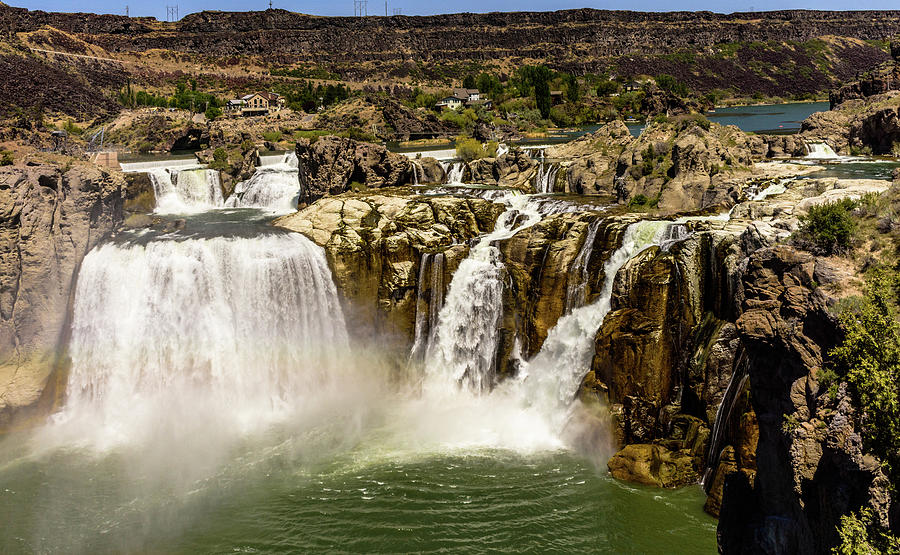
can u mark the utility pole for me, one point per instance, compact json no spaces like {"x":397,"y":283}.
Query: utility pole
{"x":385,"y":8}
{"x":172,"y":13}
{"x":270,"y":4}
{"x":126,"y":10}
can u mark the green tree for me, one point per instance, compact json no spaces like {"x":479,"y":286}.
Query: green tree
{"x":669,"y":84}
{"x":606,"y":88}
{"x":869,"y":361}
{"x":469,"y":82}
{"x":212,"y":113}
{"x":828,"y":227}
{"x":573,"y":88}
{"x":859,"y":536}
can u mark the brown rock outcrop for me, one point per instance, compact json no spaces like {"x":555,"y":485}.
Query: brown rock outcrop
{"x":332,"y":165}
{"x":51,"y":217}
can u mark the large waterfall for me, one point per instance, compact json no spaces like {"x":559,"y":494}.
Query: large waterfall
{"x":246,"y":326}
{"x":186,"y":191}
{"x":273,"y":186}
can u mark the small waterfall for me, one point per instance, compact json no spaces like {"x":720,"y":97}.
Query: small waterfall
{"x":502,"y":149}
{"x":552,"y":377}
{"x":675,"y":233}
{"x":272,"y":186}
{"x":545,"y":178}
{"x":430,"y":299}
{"x":771,"y":190}
{"x":576,"y":290}
{"x":820,"y":151}
{"x":455,"y":173}
{"x":463,"y":349}
{"x":246,"y":327}
{"x":724,"y":414}
{"x":185,"y":191}
{"x":417,"y":167}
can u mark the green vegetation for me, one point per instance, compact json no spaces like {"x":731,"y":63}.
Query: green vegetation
{"x":642,"y":202}
{"x":469,"y":149}
{"x":869,"y":361}
{"x":304,"y":96}
{"x":185,"y":98}
{"x":6,"y":158}
{"x":71,"y":128}
{"x":860,"y":536}
{"x":220,"y":159}
{"x":828,"y":228}
{"x":272,"y":136}
{"x":669,"y":84}
{"x":212,"y":113}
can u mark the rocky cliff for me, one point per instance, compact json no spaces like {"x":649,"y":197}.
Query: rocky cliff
{"x":51,"y":217}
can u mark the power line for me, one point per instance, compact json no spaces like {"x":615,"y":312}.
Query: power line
{"x":360,"y":8}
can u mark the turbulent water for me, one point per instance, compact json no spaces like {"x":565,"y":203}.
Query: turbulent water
{"x":185,"y":191}
{"x":273,"y":186}
{"x":217,"y":404}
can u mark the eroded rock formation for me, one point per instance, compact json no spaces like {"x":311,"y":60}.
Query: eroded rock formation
{"x":51,"y":217}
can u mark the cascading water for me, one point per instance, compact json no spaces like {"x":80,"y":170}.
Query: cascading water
{"x":455,"y":173}
{"x":185,"y":191}
{"x":771,"y":190}
{"x":576,"y":290}
{"x":273,"y":187}
{"x":551,"y":378}
{"x":820,"y":151}
{"x":417,"y":168}
{"x":250,"y":326}
{"x":465,"y":344}
{"x":545,"y":178}
{"x":675,"y":233}
{"x":430,"y":296}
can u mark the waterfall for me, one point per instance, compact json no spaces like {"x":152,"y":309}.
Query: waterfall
{"x":273,"y":186}
{"x":185,"y":191}
{"x":576,"y":290}
{"x":502,"y":149}
{"x":417,"y":167}
{"x":675,"y":233}
{"x":464,"y":346}
{"x":820,"y":151}
{"x":552,"y":377}
{"x":739,"y":378}
{"x":430,"y":299}
{"x":455,"y":173}
{"x":244,"y":327}
{"x":545,"y":178}
{"x":771,"y":190}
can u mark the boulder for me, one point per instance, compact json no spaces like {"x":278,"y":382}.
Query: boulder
{"x":652,"y":465}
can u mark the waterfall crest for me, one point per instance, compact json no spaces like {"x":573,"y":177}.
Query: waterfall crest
{"x":185,"y":191}
{"x":273,"y":187}
{"x":246,"y":327}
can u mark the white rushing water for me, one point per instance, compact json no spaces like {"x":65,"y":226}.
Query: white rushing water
{"x":465,"y":344}
{"x":455,"y":171}
{"x":273,"y":186}
{"x":185,"y":191}
{"x":576,"y":290}
{"x":430,"y":285}
{"x":545,"y":178}
{"x":551,"y":378}
{"x":771,"y":190}
{"x":239,"y":330}
{"x":820,"y":151}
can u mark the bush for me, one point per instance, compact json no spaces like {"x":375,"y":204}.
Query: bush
{"x":212,"y":113}
{"x":828,"y":228}
{"x":272,"y":136}
{"x":859,"y":536}
{"x":869,"y":361}
{"x":6,"y":158}
{"x":469,"y":149}
{"x":220,"y":159}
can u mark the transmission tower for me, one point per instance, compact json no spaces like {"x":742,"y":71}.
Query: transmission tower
{"x":126,"y":10}
{"x":172,"y":13}
{"x":360,"y":8}
{"x":398,"y":11}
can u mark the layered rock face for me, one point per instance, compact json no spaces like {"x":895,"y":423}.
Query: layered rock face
{"x":51,"y":218}
{"x":688,"y":164}
{"x":332,"y":165}
{"x":809,"y":460}
{"x":375,"y":243}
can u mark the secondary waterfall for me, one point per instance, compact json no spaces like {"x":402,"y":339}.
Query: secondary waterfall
{"x":771,"y":190}
{"x":430,"y":299}
{"x":246,"y":328}
{"x":455,"y":172}
{"x":464,"y":347}
{"x":576,"y":289}
{"x":273,"y":187}
{"x":545,"y":178}
{"x":820,"y":151}
{"x":417,"y":167}
{"x":185,"y":191}
{"x":551,"y":378}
